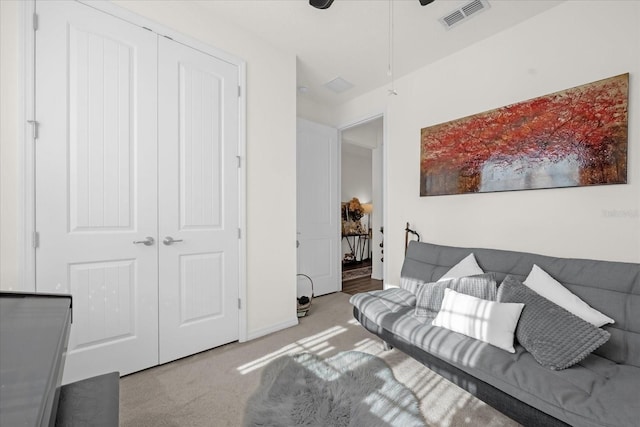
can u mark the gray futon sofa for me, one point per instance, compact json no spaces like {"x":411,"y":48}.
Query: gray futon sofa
{"x":603,"y":389}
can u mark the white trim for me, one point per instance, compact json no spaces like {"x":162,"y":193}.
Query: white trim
{"x":242,"y":198}
{"x":370,"y":117}
{"x":140,"y":21}
{"x":27,"y":206}
{"x":26,"y":159}
{"x":271,"y":329}
{"x":385,"y":204}
{"x":339,"y":204}
{"x":364,"y":119}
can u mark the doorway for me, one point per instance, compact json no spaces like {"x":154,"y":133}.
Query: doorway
{"x":362,"y":205}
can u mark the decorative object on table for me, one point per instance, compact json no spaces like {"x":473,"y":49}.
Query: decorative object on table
{"x":304,"y":301}
{"x":351,"y":388}
{"x":352,"y":212}
{"x":575,"y":137}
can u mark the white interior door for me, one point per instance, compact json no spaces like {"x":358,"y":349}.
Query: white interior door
{"x":318,"y":212}
{"x":114,"y":184}
{"x":96,"y":187}
{"x":198,"y":182}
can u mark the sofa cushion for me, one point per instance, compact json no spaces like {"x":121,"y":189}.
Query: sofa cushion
{"x":542,"y":283}
{"x":468,"y":266}
{"x":555,"y":337}
{"x":411,"y":285}
{"x":430,"y":295}
{"x":376,"y":304}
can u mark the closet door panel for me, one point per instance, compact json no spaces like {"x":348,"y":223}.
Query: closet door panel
{"x":198,"y":199}
{"x":96,"y":185}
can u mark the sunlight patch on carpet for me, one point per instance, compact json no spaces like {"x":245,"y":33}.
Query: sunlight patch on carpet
{"x":369,"y":345}
{"x":319,"y":340}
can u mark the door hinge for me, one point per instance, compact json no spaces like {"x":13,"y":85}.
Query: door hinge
{"x":239,"y":304}
{"x":35,"y":239}
{"x":239,"y":161}
{"x":239,"y":233}
{"x":35,"y":22}
{"x":34,"y":124}
{"x":239,"y":91}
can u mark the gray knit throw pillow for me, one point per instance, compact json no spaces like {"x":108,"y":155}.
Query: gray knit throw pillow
{"x":430,"y":295}
{"x":555,"y":337}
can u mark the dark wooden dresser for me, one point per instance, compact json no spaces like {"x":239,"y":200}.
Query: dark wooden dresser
{"x":34,"y":332}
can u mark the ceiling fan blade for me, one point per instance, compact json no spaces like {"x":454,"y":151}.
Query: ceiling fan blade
{"x":425,"y":2}
{"x":323,"y":4}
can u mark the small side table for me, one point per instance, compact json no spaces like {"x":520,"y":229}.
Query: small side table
{"x":357,"y":244}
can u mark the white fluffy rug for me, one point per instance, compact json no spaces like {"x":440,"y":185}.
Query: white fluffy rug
{"x":350,"y":389}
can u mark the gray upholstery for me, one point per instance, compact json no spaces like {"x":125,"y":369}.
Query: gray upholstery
{"x":610,"y":287}
{"x":430,"y":295}
{"x":555,"y":337}
{"x":601,"y":390}
{"x":90,"y":402}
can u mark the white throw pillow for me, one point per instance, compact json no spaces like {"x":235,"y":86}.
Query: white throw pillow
{"x":489,"y":321}
{"x":542,"y":283}
{"x":467,"y":267}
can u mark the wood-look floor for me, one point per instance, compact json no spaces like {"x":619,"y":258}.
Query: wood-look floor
{"x":362,"y":284}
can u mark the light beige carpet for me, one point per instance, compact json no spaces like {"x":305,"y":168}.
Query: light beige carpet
{"x":212,"y":388}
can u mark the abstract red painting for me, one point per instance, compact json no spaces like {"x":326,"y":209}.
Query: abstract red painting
{"x":571,"y":138}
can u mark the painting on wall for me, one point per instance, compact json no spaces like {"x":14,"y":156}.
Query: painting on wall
{"x":575,"y":137}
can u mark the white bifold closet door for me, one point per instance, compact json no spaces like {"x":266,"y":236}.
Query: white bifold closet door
{"x":136,"y":190}
{"x":198,"y":199}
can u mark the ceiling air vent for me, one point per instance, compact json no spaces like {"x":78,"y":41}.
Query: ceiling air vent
{"x":464,"y":13}
{"x":338,"y":85}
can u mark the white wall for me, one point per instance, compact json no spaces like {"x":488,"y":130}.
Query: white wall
{"x":377,"y":216}
{"x":572,"y":44}
{"x":271,"y":148}
{"x":310,"y":110}
{"x":9,"y":275}
{"x":356,"y":173}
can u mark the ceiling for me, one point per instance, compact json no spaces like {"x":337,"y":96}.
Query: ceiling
{"x":351,"y":38}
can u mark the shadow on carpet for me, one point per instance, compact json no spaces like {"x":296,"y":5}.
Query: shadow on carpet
{"x":350,"y":389}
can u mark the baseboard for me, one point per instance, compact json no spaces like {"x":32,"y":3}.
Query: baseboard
{"x":271,"y":329}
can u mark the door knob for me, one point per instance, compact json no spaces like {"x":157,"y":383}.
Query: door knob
{"x":148,"y":241}
{"x":170,"y":240}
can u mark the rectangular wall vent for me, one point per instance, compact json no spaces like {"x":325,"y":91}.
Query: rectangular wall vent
{"x":463,"y":13}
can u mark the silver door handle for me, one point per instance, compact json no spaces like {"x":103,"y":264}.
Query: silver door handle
{"x":170,"y":240}
{"x":148,"y":241}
